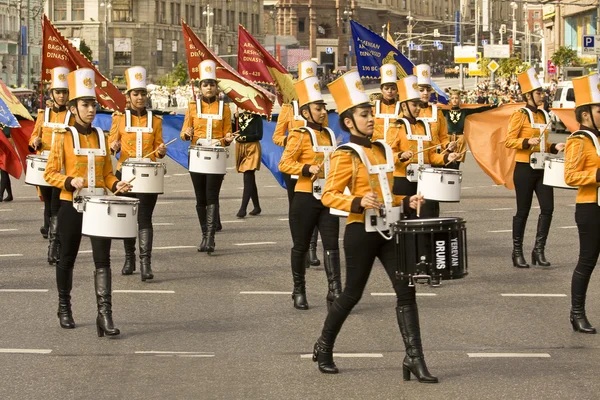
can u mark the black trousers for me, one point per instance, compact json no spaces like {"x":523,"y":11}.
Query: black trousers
{"x":587,"y":217}
{"x":51,"y":196}
{"x":527,"y":181}
{"x":290,"y":185}
{"x":69,"y":233}
{"x":146,"y":207}
{"x":307,"y":213}
{"x":403,"y":187}
{"x":207,"y":188}
{"x":4,"y":183}
{"x":361,"y":249}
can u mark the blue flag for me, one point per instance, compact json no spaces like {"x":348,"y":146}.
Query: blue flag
{"x":372,"y":51}
{"x":6,"y":117}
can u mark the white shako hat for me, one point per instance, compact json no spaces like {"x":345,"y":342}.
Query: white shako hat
{"x":59,"y":78}
{"x":307,"y":69}
{"x":408,"y":89}
{"x":82,"y":84}
{"x":528,"y":81}
{"x":348,"y":92}
{"x":136,"y":78}
{"x":423,"y":74}
{"x":586,"y":90}
{"x":309,"y":91}
{"x":388,"y":73}
{"x":208,"y":70}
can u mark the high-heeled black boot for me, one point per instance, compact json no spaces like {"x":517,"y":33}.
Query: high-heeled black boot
{"x":312,"y":259}
{"x":543,"y":227}
{"x":103,"y":285}
{"x":212,"y":213}
{"x":53,"y":241}
{"x":323,"y":356}
{"x":146,"y":238}
{"x":129,"y":266}
{"x":518,"y":230}
{"x":332,"y":270}
{"x":202,"y":217}
{"x":579,"y":321}
{"x":298,"y":275}
{"x":64,"y":283}
{"x":414,"y":362}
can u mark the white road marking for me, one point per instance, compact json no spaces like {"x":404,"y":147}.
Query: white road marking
{"x":508,"y":355}
{"x":27,"y":197}
{"x":533,"y":295}
{"x":8,"y":230}
{"x":84,"y":252}
{"x":144,"y":291}
{"x":283,"y":219}
{"x":501,"y":231}
{"x":183,"y":191}
{"x":8,"y":209}
{"x":167,"y":176}
{"x":282,"y":198}
{"x":164,"y":202}
{"x":180,"y":175}
{"x":349,"y":355}
{"x":11,"y":255}
{"x":237,"y":221}
{"x":393,"y":294}
{"x":174,"y":247}
{"x":271,"y":186}
{"x":264,"y":292}
{"x":253,"y":244}
{"x":177,"y":353}
{"x":453,"y":212}
{"x":500,"y":209}
{"x":230,"y":168}
{"x":24,"y":290}
{"x":162,"y":223}
{"x":568,"y":227}
{"x":26,"y":351}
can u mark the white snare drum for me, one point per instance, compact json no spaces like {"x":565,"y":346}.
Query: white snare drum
{"x":412,"y":171}
{"x":110,"y":217}
{"x":380,"y":222}
{"x":36,"y":166}
{"x":318,"y":185}
{"x":554,"y":173}
{"x":149,"y":176}
{"x":536,"y":160}
{"x":440,"y":184}
{"x":208,"y":160}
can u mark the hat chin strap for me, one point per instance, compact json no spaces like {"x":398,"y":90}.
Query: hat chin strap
{"x":313,"y":118}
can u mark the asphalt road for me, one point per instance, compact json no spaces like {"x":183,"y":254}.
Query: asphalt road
{"x":204,"y":332}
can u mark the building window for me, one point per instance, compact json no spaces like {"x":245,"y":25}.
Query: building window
{"x":60,"y":10}
{"x":159,"y":52}
{"x":300,"y":24}
{"x":536,"y":15}
{"x":163,"y":12}
{"x":122,"y":10}
{"x":172,"y":13}
{"x":77,"y":13}
{"x":536,"y":27}
{"x":193,"y":15}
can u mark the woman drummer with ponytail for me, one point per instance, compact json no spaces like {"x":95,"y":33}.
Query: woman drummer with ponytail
{"x":348,"y":170}
{"x":71,"y":152}
{"x":135,"y":134}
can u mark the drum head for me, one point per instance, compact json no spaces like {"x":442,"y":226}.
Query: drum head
{"x":37,"y":157}
{"x":110,"y":200}
{"x":142,"y":164}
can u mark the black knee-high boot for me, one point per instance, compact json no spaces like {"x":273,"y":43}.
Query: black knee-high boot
{"x":332,"y":270}
{"x":298,"y":275}
{"x":53,"y":241}
{"x":312,"y":249}
{"x":212,"y":213}
{"x":103,"y":285}
{"x":202,"y":218}
{"x":579,"y":321}
{"x":146,"y":238}
{"x":414,"y":361}
{"x":518,"y":230}
{"x":543,"y":227}
{"x":254,"y":196}
{"x":246,"y":195}
{"x":64,"y":283}
{"x":129,"y":265}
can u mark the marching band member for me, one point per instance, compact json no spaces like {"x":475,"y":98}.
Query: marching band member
{"x":290,"y":118}
{"x":387,"y":108}
{"x":361,"y":247}
{"x":77,"y":176}
{"x":306,"y":154}
{"x":248,"y":158}
{"x":54,"y":116}
{"x":207,"y":122}
{"x":455,"y":121}
{"x":124,"y":132}
{"x":582,"y":163}
{"x":526,"y":139}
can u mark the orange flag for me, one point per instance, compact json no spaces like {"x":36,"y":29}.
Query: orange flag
{"x":567,"y":116}
{"x":58,"y":52}
{"x":255,"y":63}
{"x":485,"y":133}
{"x":241,"y":91}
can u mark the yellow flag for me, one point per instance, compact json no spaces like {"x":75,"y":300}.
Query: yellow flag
{"x":389,"y":37}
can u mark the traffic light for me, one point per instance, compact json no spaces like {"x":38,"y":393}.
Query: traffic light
{"x":503,"y":28}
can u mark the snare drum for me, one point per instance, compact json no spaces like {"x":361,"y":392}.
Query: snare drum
{"x":536,"y":160}
{"x":110,"y":217}
{"x":208,"y":160}
{"x":36,"y":166}
{"x":431,"y":250}
{"x":149,"y":176}
{"x":554,"y":173}
{"x":412,"y":171}
{"x":440,"y":184}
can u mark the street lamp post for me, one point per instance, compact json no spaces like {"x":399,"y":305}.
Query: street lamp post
{"x":347,"y":18}
{"x":107,"y":6}
{"x":208,"y":12}
{"x":514,"y":7}
{"x":274,"y":17}
{"x":409,"y":29}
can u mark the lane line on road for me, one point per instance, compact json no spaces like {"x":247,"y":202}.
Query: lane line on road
{"x":533,"y":295}
{"x":197,"y":354}
{"x":283,"y":219}
{"x":26,"y":351}
{"x":349,"y":355}
{"x":174,"y":247}
{"x":271,"y":186}
{"x":508,"y":355}
{"x":8,"y":209}
{"x":164,"y":202}
{"x":162,"y":223}
{"x":180,"y":175}
{"x":253,"y":244}
{"x":11,"y":255}
{"x":23,"y":290}
{"x":237,"y":221}
{"x":8,"y":230}
{"x":501,"y":231}
{"x":568,"y":227}
{"x":144,"y":291}
{"x":393,"y":294}
{"x":264,"y":292}
{"x":183,"y":191}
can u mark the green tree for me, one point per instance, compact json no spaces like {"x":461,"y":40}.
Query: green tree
{"x":565,"y":57}
{"x":180,"y":74}
{"x":510,"y":66}
{"x":85,"y":50}
{"x":167,"y":80}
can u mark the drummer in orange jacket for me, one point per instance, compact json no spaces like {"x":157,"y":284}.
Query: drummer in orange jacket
{"x":53,"y":116}
{"x":136,"y":116}
{"x":582,"y":166}
{"x":288,"y":119}
{"x":82,"y":104}
{"x":386,"y":109}
{"x":525,"y":139}
{"x":207,"y":109}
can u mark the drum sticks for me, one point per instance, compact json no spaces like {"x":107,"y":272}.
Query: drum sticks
{"x":119,"y":190}
{"x":166,"y":144}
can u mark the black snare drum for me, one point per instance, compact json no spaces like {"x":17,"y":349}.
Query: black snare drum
{"x":431,"y":250}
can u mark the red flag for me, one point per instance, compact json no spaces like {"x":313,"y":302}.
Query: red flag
{"x":241,"y":91}
{"x":9,"y":160}
{"x":258,"y":65}
{"x":58,"y":52}
{"x":20,"y":137}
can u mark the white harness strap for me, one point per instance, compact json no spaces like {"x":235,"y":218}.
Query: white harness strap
{"x":91,"y":154}
{"x":139,"y":132}
{"x":433,"y":118}
{"x":209,"y":119}
{"x":419,"y":138}
{"x":48,"y":124}
{"x":326,"y":150}
{"x":297,"y":116}
{"x":539,"y":127}
{"x":386,"y":117}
